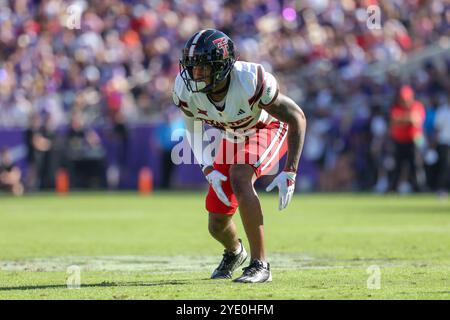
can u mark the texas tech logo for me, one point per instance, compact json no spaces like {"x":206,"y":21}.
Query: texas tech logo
{"x":222,"y":43}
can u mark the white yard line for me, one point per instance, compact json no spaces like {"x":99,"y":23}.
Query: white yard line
{"x":168,"y":264}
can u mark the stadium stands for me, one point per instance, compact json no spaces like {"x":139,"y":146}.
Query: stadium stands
{"x":116,"y":70}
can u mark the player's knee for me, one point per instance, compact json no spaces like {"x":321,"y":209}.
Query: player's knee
{"x":216,"y":224}
{"x":215,"y":229}
{"x":241,"y":180}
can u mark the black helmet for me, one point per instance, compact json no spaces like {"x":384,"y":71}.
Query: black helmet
{"x":207,"y":47}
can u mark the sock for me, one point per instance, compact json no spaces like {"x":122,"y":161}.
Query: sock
{"x":264,"y":263}
{"x":238,"y":250}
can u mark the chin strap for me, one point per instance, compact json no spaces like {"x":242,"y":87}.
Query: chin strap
{"x":224,"y":89}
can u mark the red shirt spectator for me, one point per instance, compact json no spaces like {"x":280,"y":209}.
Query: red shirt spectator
{"x":407,"y":117}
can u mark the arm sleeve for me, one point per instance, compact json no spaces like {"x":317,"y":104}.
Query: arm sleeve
{"x":202,"y":149}
{"x":194,"y":135}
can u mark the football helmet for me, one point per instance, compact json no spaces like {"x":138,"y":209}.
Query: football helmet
{"x":207,"y":47}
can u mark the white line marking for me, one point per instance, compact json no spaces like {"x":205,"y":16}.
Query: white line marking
{"x":276,"y":151}
{"x":274,"y":140}
{"x":194,"y":43}
{"x":179,"y":264}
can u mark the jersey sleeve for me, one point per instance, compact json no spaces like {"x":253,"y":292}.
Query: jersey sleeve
{"x":180,"y":96}
{"x":260,"y":86}
{"x":254,"y":83}
{"x":270,"y":90}
{"x":175,"y":98}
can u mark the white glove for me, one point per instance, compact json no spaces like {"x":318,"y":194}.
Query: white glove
{"x":285,"y":182}
{"x":215,"y":179}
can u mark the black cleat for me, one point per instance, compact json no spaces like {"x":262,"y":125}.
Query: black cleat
{"x":255,"y":273}
{"x":229,"y":263}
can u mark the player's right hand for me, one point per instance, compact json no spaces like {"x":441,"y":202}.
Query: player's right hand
{"x":285,"y":182}
{"x":215,"y":179}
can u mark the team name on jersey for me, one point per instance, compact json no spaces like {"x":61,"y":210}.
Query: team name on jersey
{"x":231,"y":125}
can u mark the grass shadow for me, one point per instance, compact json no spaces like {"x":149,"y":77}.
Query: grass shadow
{"x":102,"y":284}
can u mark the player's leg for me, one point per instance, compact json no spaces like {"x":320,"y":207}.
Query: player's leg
{"x":220,"y":223}
{"x":242,"y":178}
{"x":262,"y":152}
{"x":222,"y":228}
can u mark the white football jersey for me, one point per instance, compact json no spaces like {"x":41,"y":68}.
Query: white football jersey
{"x":250,"y":85}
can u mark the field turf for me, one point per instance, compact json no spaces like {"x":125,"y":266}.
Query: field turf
{"x":128,"y":246}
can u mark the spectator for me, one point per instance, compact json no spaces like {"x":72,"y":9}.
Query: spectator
{"x":430,"y":155}
{"x":10,"y":175}
{"x":172,"y":121}
{"x":442,"y":125}
{"x":407,"y":118}
{"x":378,"y":133}
{"x":46,"y":168}
{"x":38,"y":139}
{"x":85,"y":156}
{"x":121,"y":139}
{"x":34,"y":142}
{"x":118,"y":137}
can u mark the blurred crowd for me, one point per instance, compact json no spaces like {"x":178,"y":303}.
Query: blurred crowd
{"x":118,"y":65}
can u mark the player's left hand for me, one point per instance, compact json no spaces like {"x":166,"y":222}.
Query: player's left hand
{"x":285,"y":182}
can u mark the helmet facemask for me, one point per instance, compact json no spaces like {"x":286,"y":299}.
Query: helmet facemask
{"x":203,"y":84}
{"x":220,"y":69}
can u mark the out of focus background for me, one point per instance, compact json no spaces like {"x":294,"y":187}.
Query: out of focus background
{"x":86,"y":103}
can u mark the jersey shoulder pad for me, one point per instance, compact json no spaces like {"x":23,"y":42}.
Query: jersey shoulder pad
{"x":251,"y":78}
{"x":179,"y":90}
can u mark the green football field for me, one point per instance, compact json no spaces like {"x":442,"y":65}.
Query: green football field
{"x":126,"y":246}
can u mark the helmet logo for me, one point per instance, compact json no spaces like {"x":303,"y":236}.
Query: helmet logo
{"x":222,"y":43}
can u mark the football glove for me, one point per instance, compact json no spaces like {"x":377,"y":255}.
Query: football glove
{"x":215,"y":179}
{"x":285,"y":182}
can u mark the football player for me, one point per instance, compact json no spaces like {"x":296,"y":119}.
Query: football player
{"x":260,"y":125}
